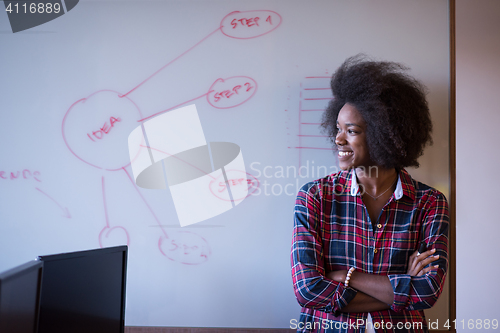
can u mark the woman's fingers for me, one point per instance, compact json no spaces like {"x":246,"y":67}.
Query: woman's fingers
{"x":426,"y":253}
{"x":427,"y":270}
{"x":420,"y":265}
{"x":418,"y":261}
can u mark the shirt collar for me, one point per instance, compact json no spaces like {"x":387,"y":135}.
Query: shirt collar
{"x":398,"y":192}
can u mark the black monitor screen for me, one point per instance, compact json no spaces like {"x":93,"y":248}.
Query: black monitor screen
{"x":84,"y":291}
{"x":19,"y":297}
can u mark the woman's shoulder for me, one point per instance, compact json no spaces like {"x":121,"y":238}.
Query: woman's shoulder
{"x":420,"y":189}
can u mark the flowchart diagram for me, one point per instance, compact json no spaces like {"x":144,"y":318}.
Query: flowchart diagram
{"x":98,"y":126}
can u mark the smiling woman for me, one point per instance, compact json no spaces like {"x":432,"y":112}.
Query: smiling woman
{"x":354,"y":252}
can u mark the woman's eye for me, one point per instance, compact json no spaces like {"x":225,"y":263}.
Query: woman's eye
{"x":352,"y":132}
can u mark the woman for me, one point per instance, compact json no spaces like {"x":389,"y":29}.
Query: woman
{"x":355,"y":263}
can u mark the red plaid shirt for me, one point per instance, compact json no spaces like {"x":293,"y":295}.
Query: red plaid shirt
{"x":333,"y":231}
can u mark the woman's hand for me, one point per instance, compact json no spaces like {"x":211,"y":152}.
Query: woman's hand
{"x":418,"y":262}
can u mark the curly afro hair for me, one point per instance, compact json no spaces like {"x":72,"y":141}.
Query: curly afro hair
{"x":391,"y":102}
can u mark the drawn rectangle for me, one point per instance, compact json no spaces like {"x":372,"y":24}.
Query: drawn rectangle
{"x":307,"y":105}
{"x":315,"y":142}
{"x":316,"y":82}
{"x":306,"y":129}
{"x":317,"y":93}
{"x":311,"y":117}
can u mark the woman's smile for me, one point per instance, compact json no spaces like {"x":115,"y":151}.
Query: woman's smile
{"x":345,"y":154}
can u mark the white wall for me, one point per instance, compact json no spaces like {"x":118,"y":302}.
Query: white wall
{"x":478,"y":136}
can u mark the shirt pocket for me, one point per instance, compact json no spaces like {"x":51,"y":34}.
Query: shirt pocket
{"x":400,"y":247}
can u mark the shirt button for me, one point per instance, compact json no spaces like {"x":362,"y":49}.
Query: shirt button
{"x":375,"y":251}
{"x":379,"y":225}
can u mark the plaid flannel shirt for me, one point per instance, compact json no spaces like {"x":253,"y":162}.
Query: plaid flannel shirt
{"x":333,"y":231}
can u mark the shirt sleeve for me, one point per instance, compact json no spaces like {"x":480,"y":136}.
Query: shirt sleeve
{"x":312,"y":288}
{"x":421,"y":292}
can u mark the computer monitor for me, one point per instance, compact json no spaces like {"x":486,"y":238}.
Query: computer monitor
{"x":19,"y":298}
{"x":84,"y":291}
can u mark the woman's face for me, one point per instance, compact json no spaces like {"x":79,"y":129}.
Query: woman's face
{"x":351,"y":139}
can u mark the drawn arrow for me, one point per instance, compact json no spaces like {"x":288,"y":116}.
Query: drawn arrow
{"x":65,"y":210}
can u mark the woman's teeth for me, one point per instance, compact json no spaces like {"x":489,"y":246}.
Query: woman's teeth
{"x":345,"y":153}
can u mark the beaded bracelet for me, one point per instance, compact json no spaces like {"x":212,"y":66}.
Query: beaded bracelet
{"x":348,"y":277}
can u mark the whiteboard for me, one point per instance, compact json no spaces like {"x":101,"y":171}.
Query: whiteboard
{"x":65,"y":178}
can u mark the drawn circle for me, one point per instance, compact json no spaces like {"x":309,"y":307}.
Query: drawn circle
{"x":96,"y":129}
{"x":249,"y":24}
{"x":218,"y":186}
{"x":231,"y":92}
{"x":185,"y":247}
{"x":113,"y":236}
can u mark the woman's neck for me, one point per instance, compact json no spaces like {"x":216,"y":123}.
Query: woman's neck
{"x":376,"y":179}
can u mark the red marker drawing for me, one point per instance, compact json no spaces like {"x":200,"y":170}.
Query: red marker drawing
{"x":65,"y":210}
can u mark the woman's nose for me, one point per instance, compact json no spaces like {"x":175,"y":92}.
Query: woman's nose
{"x":340,"y":139}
